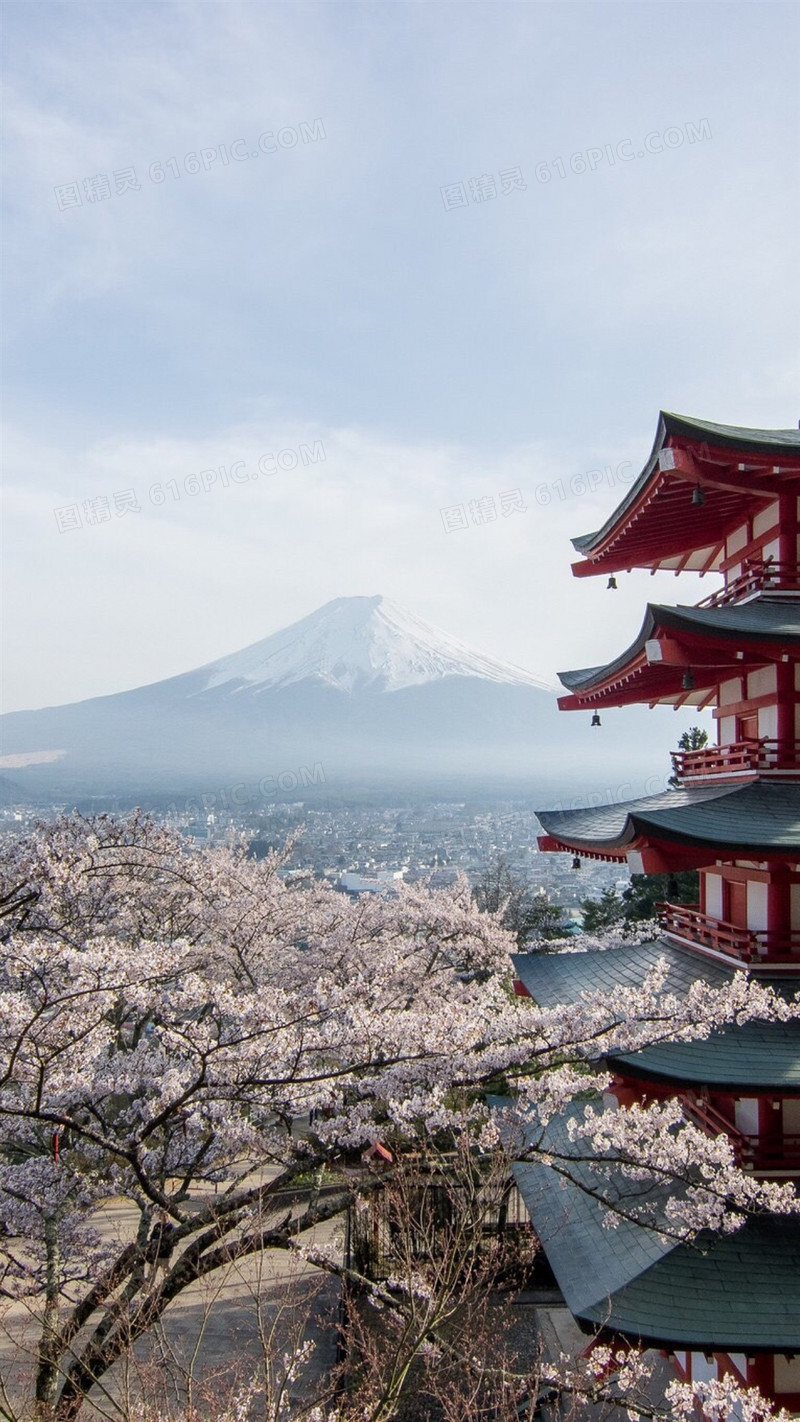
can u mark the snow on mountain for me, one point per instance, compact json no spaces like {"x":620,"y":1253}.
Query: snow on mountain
{"x":356,"y":644}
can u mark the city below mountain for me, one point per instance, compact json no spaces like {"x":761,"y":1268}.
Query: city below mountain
{"x":359,"y":693}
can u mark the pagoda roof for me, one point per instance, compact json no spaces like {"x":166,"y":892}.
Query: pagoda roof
{"x":657,"y":525}
{"x":752,"y":1056}
{"x":710,"y":637}
{"x":752,"y":819}
{"x":736,"y":1292}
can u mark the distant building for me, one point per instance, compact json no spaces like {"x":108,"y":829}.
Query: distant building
{"x":379,"y":883}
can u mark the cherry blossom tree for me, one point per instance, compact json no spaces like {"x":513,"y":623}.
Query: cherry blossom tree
{"x":184,"y":1031}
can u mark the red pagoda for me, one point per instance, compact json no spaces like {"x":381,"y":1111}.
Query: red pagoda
{"x":710,"y":499}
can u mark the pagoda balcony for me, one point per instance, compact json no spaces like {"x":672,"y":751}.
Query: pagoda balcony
{"x":755,"y":947}
{"x":767,"y":1155}
{"x":767,"y":756}
{"x":760,"y":578}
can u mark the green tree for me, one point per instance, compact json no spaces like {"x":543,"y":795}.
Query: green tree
{"x":605,"y":912}
{"x":647,"y":890}
{"x":524,"y":911}
{"x":693,"y":739}
{"x":639,"y":901}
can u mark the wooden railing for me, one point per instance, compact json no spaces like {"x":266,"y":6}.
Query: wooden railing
{"x":686,"y":921}
{"x":751,"y":1152}
{"x":755,"y":757}
{"x":765,"y":576}
{"x":782,"y":1153}
{"x":749,"y":945}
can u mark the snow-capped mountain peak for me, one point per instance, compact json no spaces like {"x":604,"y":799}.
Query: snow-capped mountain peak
{"x":359,"y":643}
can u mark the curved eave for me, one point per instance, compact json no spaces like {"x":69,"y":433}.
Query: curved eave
{"x":758,"y":1055}
{"x":586,"y":849}
{"x":673,"y":1341}
{"x":776,"y":1067}
{"x":645,"y":855}
{"x":755,"y":820}
{"x":721,"y":1292}
{"x":657,"y":525}
{"x":643,"y":838}
{"x":656,"y":687}
{"x":710,"y":641}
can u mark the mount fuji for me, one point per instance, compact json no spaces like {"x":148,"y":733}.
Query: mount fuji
{"x":359,"y":692}
{"x":356,"y":644}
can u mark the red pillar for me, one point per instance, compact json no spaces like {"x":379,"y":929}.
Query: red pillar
{"x":779,"y":904}
{"x":785,"y":716}
{"x":787,"y":523}
{"x":760,"y":1373}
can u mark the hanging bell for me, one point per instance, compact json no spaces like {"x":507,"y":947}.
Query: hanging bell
{"x":576,"y":861}
{"x":612,"y":582}
{"x":596,"y":719}
{"x":698,"y":497}
{"x":688,"y":680}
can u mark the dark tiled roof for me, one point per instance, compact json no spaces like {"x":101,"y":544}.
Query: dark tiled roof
{"x":778,"y":442}
{"x":757,"y":816}
{"x":590,"y":1260}
{"x":768,"y":619}
{"x":729,"y":1292}
{"x":739,"y":1291}
{"x":754,"y":1056}
{"x":553,"y":978}
{"x":733,"y":436}
{"x":761,"y":620}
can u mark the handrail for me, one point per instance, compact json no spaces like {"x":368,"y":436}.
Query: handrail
{"x":736,"y":758}
{"x":759,"y":576}
{"x":687,"y":921}
{"x":749,"y":1150}
{"x":748,"y":944}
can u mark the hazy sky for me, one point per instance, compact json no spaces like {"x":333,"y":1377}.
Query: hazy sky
{"x":394,"y":259}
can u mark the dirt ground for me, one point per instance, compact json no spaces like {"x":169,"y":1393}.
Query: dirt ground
{"x":218,"y":1331}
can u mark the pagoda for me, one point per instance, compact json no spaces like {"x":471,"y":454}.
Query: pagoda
{"x":722,"y":500}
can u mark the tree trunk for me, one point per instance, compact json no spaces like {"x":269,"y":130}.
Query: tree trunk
{"x":47,"y":1371}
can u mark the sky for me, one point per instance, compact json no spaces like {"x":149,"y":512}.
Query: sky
{"x":315,"y":300}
